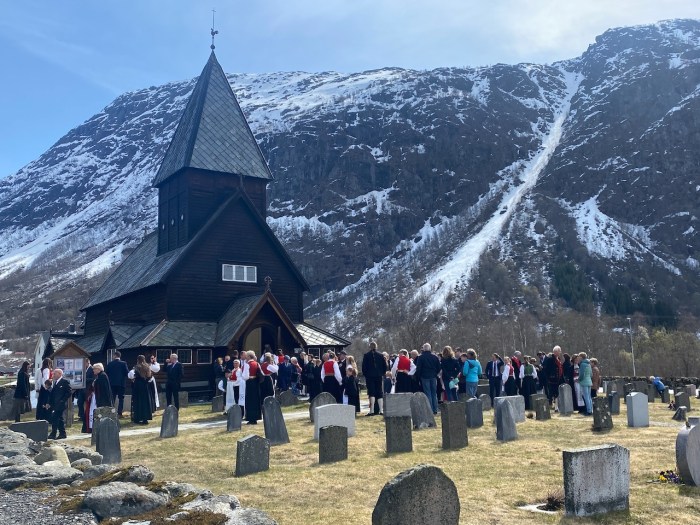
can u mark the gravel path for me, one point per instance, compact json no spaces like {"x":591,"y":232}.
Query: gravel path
{"x":28,"y":507}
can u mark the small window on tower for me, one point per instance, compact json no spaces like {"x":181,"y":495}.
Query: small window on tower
{"x":239,"y":273}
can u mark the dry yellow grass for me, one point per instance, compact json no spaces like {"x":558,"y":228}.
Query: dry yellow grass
{"x":492,"y":478}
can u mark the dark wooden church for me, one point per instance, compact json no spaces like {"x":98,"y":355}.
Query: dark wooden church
{"x":213,"y":277}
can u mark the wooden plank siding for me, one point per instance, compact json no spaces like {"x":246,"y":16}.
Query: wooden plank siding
{"x":142,"y":307}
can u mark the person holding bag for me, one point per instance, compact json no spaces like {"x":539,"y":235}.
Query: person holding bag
{"x":20,"y":401}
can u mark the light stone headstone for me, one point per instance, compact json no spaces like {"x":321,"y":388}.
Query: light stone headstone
{"x":602,"y":419}
{"x":324,"y":398}
{"x":332,"y":444}
{"x":184,"y":399}
{"x":335,"y":415}
{"x":422,"y":495}
{"x":397,"y":404}
{"x":518,"y":404}
{"x":217,"y":404}
{"x":99,"y":414}
{"x":454,"y":423}
{"x":485,"y":401}
{"x":233,"y":419}
{"x":541,"y":407}
{"x":474,"y":413}
{"x":170,"y":422}
{"x":691,"y":390}
{"x":614,"y":402}
{"x":107,"y":441}
{"x":161,"y":399}
{"x":565,"y":401}
{"x":35,"y":430}
{"x":637,"y":410}
{"x":275,"y":427}
{"x":252,"y":455}
{"x":506,"y":429}
{"x":590,"y":489}
{"x":682,"y":400}
{"x":688,"y":455}
{"x":127,"y":403}
{"x":399,"y":437}
{"x":421,"y":412}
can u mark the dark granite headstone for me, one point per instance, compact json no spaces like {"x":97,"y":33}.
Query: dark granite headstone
{"x":422,"y":495}
{"x":541,"y":408}
{"x":34,"y":430}
{"x":481,"y":389}
{"x":683,"y":400}
{"x":454,"y":423}
{"x":485,"y":401}
{"x":287,"y":399}
{"x":252,"y":455}
{"x":332,"y":444}
{"x":324,"y":398}
{"x":688,"y":455}
{"x":627,"y":389}
{"x":233,"y":418}
{"x":505,"y":422}
{"x":169,"y":423}
{"x":217,"y":404}
{"x":666,"y":396}
{"x":100,"y":414}
{"x":474,"y":413}
{"x":275,"y":427}
{"x":651,"y":393}
{"x":614,"y":402}
{"x":534,"y":398}
{"x":680,"y":414}
{"x":421,"y":413}
{"x":108,"y":443}
{"x":602,"y":419}
{"x":399,"y":436}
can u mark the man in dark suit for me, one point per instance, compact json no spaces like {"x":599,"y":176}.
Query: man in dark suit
{"x":117,"y":372}
{"x":493,"y":372}
{"x":58,"y":398}
{"x":172,"y":384}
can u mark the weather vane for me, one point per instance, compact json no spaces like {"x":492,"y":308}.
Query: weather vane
{"x":213,"y":32}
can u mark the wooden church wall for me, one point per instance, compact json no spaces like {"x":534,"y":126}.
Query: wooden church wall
{"x":145,"y":306}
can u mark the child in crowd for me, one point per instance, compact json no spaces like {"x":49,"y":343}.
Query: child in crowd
{"x":351,"y":388}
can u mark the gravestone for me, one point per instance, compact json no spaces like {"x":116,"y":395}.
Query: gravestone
{"x":590,"y":489}
{"x":275,"y":427}
{"x":332,"y":444}
{"x":397,"y":405}
{"x":615,"y":385}
{"x":693,"y":421}
{"x":541,"y":407}
{"x":233,"y":419}
{"x":35,"y":430}
{"x":565,"y":402}
{"x":682,"y":400}
{"x":184,"y":399}
{"x":398,"y":434}
{"x":217,"y":404}
{"x":485,"y":401}
{"x":324,"y":398}
{"x":474,"y":413}
{"x":691,"y":390}
{"x":252,"y":455}
{"x":505,"y":422}
{"x":680,"y":414}
{"x":614,"y":402}
{"x":627,"y":390}
{"x":69,"y":414}
{"x":688,"y":455}
{"x":665,"y":396}
{"x":6,"y":402}
{"x":639,"y":386}
{"x":170,"y":422}
{"x":602,"y":419}
{"x":107,"y":442}
{"x":161,"y":399}
{"x":533,"y":398}
{"x":422,"y":495}
{"x":637,"y":410}
{"x":335,"y":415}
{"x":421,"y":412}
{"x":127,"y":403}
{"x":454,"y":423}
{"x":99,"y":414}
{"x":518,"y":404}
{"x":287,"y":399}
{"x":651,"y":393}
{"x":481,"y":389}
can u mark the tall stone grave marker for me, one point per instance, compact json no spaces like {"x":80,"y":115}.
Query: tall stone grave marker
{"x":565,"y":403}
{"x":419,"y":496}
{"x":518,"y":404}
{"x":324,"y":398}
{"x":454,"y":423}
{"x":475,"y":413}
{"x":397,"y":404}
{"x":233,"y":419}
{"x":252,"y":455}
{"x":170,"y":422}
{"x":651,"y":393}
{"x":614,"y":402}
{"x":691,"y":390}
{"x":485,"y":401}
{"x":666,"y":396}
{"x":505,"y":422}
{"x":541,"y":408}
{"x":107,"y":442}
{"x":590,"y":489}
{"x":682,"y":400}
{"x":421,"y":413}
{"x":399,"y":436}
{"x":688,"y":455}
{"x":184,"y":399}
{"x":637,"y":410}
{"x":275,"y":427}
{"x":332,"y":444}
{"x":602,"y":419}
{"x":334,"y":415}
{"x":217,"y":404}
{"x":100,"y":414}
{"x":533,"y":398}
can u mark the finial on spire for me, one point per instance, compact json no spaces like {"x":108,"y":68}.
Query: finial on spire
{"x":213,"y":32}
{"x":268,"y":281}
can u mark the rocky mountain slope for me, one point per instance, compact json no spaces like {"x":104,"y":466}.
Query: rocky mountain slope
{"x":396,"y":185}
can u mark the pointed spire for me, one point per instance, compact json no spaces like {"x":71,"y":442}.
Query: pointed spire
{"x":213,"y":33}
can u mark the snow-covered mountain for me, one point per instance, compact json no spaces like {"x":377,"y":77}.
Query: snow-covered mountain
{"x":391,"y":185}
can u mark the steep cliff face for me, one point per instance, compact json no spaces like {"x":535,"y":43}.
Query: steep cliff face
{"x":394,"y":183}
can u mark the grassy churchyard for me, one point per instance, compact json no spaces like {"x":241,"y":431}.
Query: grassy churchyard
{"x":492,"y":478}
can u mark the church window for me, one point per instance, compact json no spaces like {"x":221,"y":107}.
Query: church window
{"x":162,"y":355}
{"x":239,"y":273}
{"x":204,"y":356}
{"x":184,"y":355}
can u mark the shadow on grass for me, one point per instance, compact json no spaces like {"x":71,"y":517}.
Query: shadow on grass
{"x":691,"y":492}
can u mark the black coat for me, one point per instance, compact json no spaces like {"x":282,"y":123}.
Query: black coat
{"x":427,"y":366}
{"x":373,"y":365}
{"x":59,"y":395}
{"x":22,"y":390}
{"x":103,"y":391}
{"x":117,"y":371}
{"x":174,"y":371}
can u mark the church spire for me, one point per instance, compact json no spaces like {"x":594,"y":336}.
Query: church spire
{"x":213,"y":32}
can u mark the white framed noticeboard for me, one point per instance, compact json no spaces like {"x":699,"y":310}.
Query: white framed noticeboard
{"x":73,"y":370}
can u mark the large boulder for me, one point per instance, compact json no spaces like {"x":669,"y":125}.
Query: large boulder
{"x":134,"y":474}
{"x":98,"y":470}
{"x":52,"y":454}
{"x":32,"y":475}
{"x":14,"y":443}
{"x":81,"y":464}
{"x":75,"y":452}
{"x":119,"y":499}
{"x":230,"y":507}
{"x":15,"y":460}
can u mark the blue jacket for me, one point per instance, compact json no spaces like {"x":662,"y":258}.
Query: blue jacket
{"x":585,"y":373}
{"x":471,"y":371}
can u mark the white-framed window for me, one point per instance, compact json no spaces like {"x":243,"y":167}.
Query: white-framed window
{"x":239,"y":273}
{"x":184,"y":355}
{"x":204,"y":356}
{"x":162,"y":355}
{"x":110,"y":355}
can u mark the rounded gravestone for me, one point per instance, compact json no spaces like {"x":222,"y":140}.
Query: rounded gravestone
{"x":422,"y":495}
{"x":688,"y":455}
{"x":324,"y":398}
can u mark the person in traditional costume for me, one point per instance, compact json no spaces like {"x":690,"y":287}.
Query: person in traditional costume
{"x":235,"y":388}
{"x":141,"y":408}
{"x":351,"y":388}
{"x":331,"y":378}
{"x":251,"y":375}
{"x":269,"y":370}
{"x":153,"y":386}
{"x":403,"y":370}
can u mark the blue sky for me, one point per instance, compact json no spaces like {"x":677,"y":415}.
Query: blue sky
{"x":63,"y":61}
